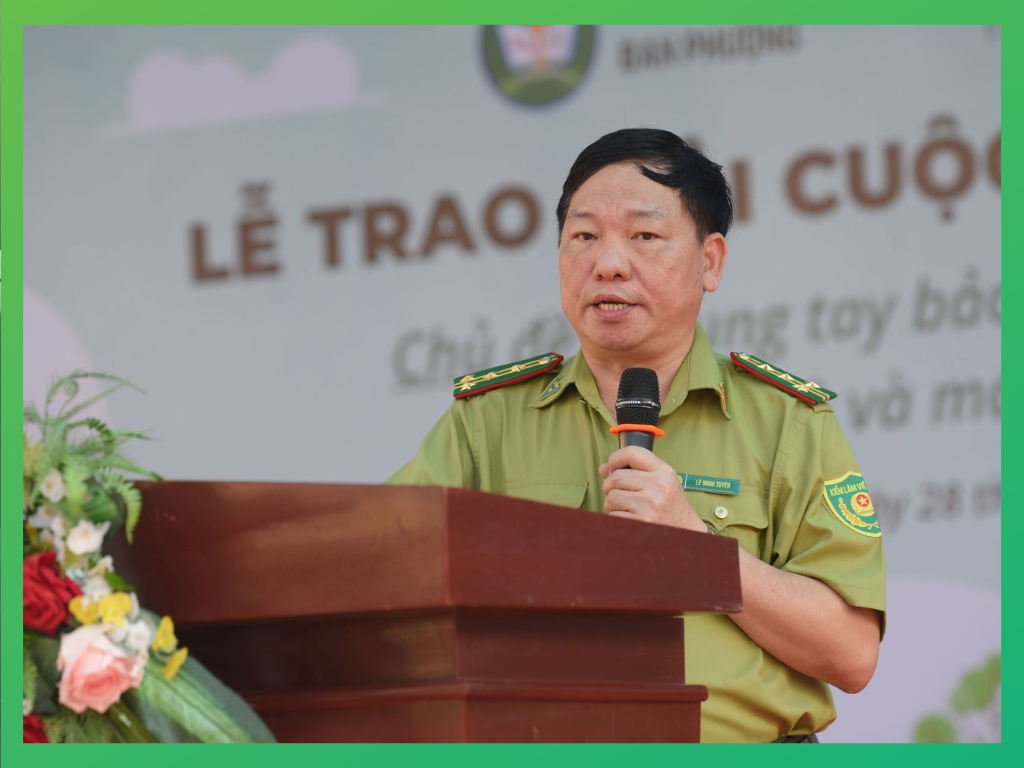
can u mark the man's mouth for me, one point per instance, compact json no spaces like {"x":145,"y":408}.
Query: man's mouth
{"x":609,"y":302}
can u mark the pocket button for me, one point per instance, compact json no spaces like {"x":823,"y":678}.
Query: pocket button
{"x":721,"y":513}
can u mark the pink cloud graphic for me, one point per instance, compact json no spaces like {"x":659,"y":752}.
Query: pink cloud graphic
{"x":53,"y":348}
{"x":169,"y":92}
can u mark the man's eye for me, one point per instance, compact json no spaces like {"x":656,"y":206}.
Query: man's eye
{"x":584,"y":236}
{"x":648,"y":236}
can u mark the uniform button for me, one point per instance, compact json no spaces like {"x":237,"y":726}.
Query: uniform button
{"x":721,"y":513}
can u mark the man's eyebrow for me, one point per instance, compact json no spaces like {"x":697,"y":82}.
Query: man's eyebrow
{"x":649,"y":214}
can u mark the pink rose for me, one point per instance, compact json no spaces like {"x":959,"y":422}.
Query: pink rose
{"x":95,"y":671}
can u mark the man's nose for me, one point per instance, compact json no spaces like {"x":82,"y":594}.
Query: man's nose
{"x":613,"y":262}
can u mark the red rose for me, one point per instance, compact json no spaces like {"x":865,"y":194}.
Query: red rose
{"x":46,"y":593}
{"x":32,"y":728}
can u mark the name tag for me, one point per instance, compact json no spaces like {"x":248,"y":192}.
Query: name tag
{"x":729,"y":486}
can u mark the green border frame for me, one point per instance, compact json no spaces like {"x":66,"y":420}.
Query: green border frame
{"x":21,"y":13}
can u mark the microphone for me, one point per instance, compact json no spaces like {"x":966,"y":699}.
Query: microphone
{"x":637,"y":408}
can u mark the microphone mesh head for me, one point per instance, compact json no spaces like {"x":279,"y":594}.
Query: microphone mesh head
{"x":639,"y":400}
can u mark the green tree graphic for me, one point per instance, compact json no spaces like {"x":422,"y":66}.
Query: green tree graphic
{"x":973,"y":714}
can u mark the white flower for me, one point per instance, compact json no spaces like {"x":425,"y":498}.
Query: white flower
{"x":116,"y":633}
{"x":96,"y":587}
{"x":26,"y":707}
{"x":55,"y":536}
{"x":42,"y":518}
{"x":135,"y":611}
{"x":141,"y":659}
{"x":87,"y":537}
{"x":53,"y":487}
{"x":104,"y":564}
{"x":140,"y":635}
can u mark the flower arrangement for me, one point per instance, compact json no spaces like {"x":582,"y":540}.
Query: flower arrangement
{"x":97,"y":666}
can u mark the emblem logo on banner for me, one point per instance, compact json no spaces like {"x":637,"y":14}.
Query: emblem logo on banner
{"x":538,"y":63}
{"x":849,"y":500}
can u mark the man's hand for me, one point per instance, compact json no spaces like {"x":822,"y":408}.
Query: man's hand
{"x":641,"y":486}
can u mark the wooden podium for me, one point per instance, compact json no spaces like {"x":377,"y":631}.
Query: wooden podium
{"x":377,"y":613}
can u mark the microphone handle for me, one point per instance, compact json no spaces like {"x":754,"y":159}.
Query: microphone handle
{"x":636,"y":437}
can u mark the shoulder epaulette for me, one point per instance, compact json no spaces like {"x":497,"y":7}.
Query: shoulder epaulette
{"x":502,"y":375}
{"x":807,"y":391}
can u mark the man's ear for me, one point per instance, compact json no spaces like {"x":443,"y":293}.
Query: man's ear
{"x":716,"y":250}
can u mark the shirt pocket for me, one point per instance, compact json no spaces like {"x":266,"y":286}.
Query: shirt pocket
{"x":743,"y":517}
{"x":561,"y":495}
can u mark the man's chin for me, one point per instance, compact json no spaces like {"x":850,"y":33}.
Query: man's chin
{"x":613,"y":343}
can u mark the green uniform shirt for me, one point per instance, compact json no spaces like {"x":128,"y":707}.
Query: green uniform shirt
{"x":544,"y":438}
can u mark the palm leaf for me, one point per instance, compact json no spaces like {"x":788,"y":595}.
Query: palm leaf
{"x":103,"y":440}
{"x":30,"y":678}
{"x":31,"y":415}
{"x":86,"y":403}
{"x":126,"y":465}
{"x":76,"y":472}
{"x":87,"y":728}
{"x":96,"y":398}
{"x":102,"y":507}
{"x":30,"y":456}
{"x":190,"y":706}
{"x":130,"y":497}
{"x":68,"y":386}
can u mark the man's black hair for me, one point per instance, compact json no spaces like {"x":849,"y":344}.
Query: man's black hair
{"x":665,"y":158}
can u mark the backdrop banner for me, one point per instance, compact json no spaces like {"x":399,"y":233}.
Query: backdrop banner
{"x":295,"y":237}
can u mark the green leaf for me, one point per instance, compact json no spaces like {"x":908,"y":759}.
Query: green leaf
{"x":87,"y":728}
{"x":934,"y":730}
{"x":59,"y":726}
{"x":103,"y":432}
{"x":133,"y":508}
{"x":30,"y":679}
{"x":30,"y":456}
{"x":126,"y":465}
{"x":994,"y":669}
{"x":117,"y":583}
{"x":102,"y":507}
{"x":44,"y":652}
{"x":128,"y":725}
{"x":38,"y":691}
{"x":31,"y":415}
{"x":974,"y":692}
{"x":190,"y":705}
{"x":45,"y":702}
{"x":76,"y":472}
{"x":96,"y":398}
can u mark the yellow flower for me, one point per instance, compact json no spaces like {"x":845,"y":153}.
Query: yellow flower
{"x":174,"y":663}
{"x":165,"y":639}
{"x":85,"y":612}
{"x":113,"y":608}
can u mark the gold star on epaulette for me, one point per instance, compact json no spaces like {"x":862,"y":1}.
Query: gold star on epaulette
{"x":491,"y":378}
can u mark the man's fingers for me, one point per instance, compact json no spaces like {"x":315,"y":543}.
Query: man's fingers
{"x":626,"y":480}
{"x":634,"y":457}
{"x":630,"y":502}
{"x":603,"y":470}
{"x":617,"y":501}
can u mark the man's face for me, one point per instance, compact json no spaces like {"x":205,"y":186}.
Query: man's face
{"x":633,"y":272}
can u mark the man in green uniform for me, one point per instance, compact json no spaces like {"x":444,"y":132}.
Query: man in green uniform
{"x":749,"y":451}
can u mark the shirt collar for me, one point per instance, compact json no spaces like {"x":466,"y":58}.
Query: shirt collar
{"x":699,"y":371}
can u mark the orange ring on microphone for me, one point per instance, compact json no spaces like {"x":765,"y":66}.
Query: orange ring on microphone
{"x":637,"y":428}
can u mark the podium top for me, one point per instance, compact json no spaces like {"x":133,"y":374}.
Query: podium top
{"x":223,"y":551}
